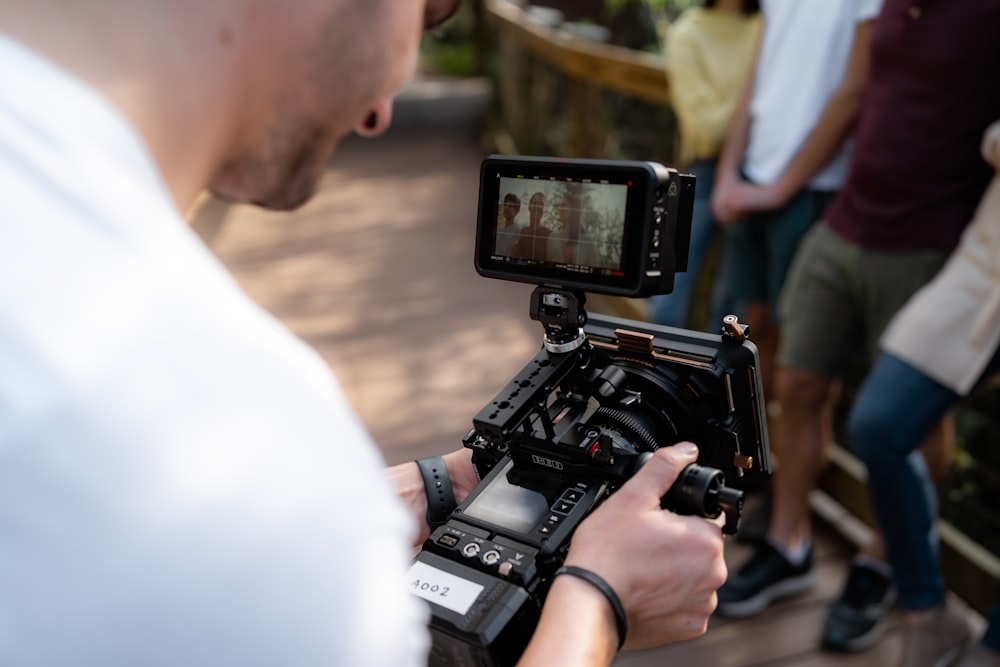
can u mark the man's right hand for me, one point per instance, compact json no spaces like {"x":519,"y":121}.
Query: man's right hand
{"x":664,"y":567}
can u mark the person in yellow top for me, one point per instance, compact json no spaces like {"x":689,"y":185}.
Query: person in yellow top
{"x":709,"y":52}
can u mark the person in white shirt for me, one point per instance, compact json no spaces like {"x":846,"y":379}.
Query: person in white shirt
{"x":787,"y":149}
{"x":181,"y":480}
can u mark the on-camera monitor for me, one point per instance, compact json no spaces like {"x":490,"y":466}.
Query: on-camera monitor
{"x":563,"y":223}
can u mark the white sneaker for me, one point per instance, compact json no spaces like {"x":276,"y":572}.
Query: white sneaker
{"x":937,"y":642}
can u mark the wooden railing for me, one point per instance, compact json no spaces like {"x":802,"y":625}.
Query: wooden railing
{"x":589,"y":68}
{"x":626,"y":70}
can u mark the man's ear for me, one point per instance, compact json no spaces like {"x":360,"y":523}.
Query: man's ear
{"x":377,"y":121}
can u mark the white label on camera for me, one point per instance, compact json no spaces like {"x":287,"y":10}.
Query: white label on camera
{"x":442,"y":588}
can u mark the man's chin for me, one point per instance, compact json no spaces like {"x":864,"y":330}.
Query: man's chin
{"x":284,"y":201}
{"x":281,"y":185}
{"x":288,"y":198}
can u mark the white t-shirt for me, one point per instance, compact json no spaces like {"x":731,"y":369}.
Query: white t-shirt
{"x":181,"y":480}
{"x":805,"y":49}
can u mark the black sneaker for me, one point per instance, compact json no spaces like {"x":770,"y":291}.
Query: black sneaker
{"x":767,"y":576}
{"x":858,"y":618}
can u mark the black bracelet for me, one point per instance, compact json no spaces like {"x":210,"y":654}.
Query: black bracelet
{"x":437,"y":486}
{"x":616,"y":605}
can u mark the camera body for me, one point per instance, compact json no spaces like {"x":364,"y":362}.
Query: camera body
{"x":589,"y":409}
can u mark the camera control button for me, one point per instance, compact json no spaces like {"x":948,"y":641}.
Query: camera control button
{"x":572,"y":495}
{"x":471,"y":550}
{"x":563,"y":507}
{"x":448,"y":541}
{"x":551,"y":524}
{"x":491,"y":557}
{"x":505,"y":569}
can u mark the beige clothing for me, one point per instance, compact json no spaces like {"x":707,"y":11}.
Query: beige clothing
{"x":950,"y":328}
{"x":709,"y":57}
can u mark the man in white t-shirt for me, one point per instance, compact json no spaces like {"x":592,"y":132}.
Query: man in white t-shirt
{"x":787,"y":149}
{"x":181,"y":480}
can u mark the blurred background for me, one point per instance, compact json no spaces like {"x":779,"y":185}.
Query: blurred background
{"x":587,"y":78}
{"x":376,"y":271}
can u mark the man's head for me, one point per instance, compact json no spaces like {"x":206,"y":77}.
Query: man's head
{"x":511,"y":207}
{"x":536,"y":206}
{"x":247,"y":97}
{"x":330,"y":67}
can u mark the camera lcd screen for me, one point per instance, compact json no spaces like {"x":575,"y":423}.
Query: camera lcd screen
{"x":509,"y":506}
{"x":563,"y":223}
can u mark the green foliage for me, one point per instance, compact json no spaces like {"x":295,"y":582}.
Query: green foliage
{"x":659,"y":10}
{"x":451,"y":48}
{"x":972,"y":493}
{"x":448,"y":58}
{"x":605,"y":227}
{"x":641,"y":24}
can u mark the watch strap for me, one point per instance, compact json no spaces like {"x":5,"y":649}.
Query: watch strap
{"x":437,"y":485}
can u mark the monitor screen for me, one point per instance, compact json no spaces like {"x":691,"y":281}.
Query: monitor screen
{"x":579,"y":224}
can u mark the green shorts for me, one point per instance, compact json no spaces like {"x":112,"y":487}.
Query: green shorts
{"x":839,"y":297}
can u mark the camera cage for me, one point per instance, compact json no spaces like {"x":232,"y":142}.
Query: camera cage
{"x":614,"y":362}
{"x":587,"y":411}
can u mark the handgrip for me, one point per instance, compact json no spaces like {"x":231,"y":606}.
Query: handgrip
{"x":702,"y":491}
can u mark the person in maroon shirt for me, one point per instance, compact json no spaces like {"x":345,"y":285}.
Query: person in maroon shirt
{"x":915,"y":179}
{"x":917,"y":175}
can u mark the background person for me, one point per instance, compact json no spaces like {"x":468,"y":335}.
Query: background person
{"x":709,"y":53}
{"x":571,"y":244}
{"x":782,"y":161}
{"x":533,"y":242}
{"x":509,"y":231}
{"x":887,"y":233}
{"x":940,"y":346}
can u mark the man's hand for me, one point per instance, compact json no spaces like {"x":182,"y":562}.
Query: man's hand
{"x":740,"y":198}
{"x":463,"y":474}
{"x":722,"y":210}
{"x":410,"y":485}
{"x":746,"y":198}
{"x":665,"y":568}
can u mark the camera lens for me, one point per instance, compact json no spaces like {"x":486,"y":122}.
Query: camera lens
{"x":663,"y":416}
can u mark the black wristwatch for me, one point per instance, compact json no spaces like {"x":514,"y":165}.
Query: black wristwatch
{"x":437,"y":485}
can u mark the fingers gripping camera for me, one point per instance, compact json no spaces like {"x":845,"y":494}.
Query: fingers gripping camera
{"x":588,"y":410}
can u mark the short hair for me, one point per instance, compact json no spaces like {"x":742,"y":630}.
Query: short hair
{"x":511,"y":198}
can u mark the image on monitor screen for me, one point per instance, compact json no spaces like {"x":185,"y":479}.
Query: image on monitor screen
{"x":561,"y":224}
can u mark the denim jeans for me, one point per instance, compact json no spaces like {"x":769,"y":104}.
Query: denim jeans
{"x":672,"y":309}
{"x":895,"y":410}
